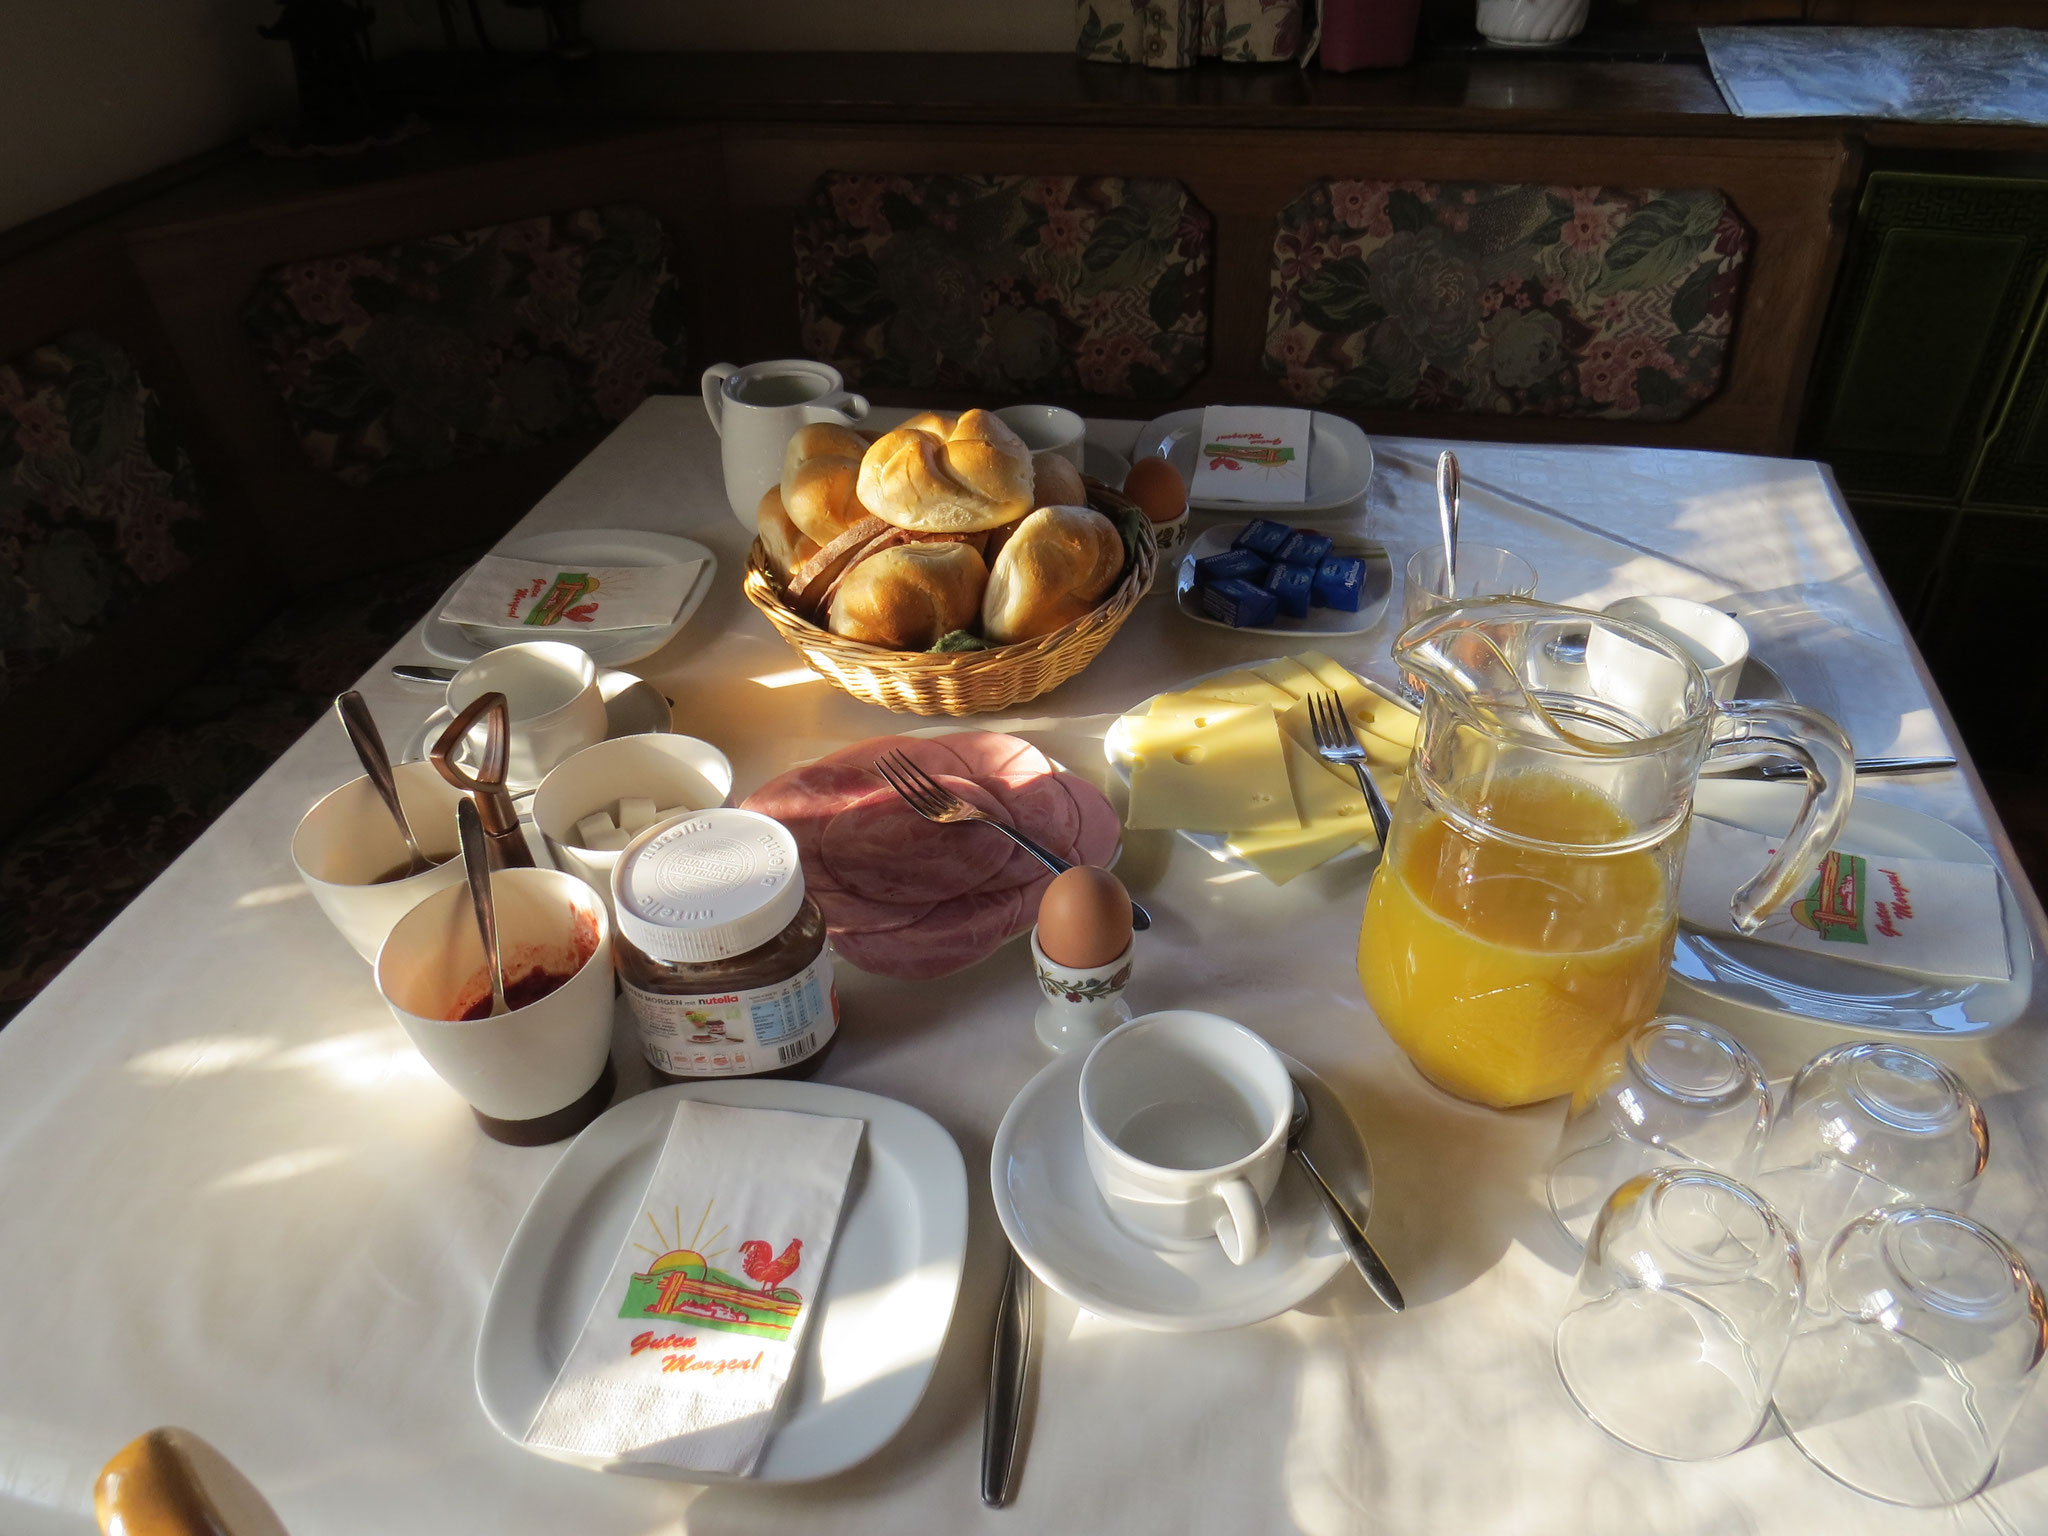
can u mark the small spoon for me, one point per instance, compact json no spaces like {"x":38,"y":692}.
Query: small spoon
{"x":476,"y":863}
{"x":1348,"y":1229}
{"x":1447,"y":494}
{"x":369,"y":744}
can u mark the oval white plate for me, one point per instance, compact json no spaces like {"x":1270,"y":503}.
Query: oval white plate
{"x":889,"y":1294}
{"x":1372,"y":602}
{"x":1741,"y":981}
{"x":1055,"y":1218}
{"x":593,"y":546}
{"x":1339,"y":463}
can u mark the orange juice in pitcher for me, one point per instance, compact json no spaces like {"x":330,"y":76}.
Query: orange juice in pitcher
{"x":1522,"y":916}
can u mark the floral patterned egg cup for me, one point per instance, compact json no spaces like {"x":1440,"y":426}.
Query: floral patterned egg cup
{"x":1079,"y":1005}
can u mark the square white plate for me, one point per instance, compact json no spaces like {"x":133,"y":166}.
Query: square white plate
{"x":888,"y":1297}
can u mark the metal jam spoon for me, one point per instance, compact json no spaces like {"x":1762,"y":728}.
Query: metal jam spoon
{"x":364,"y":736}
{"x":1447,"y":497}
{"x":1348,"y":1229}
{"x":476,"y":863}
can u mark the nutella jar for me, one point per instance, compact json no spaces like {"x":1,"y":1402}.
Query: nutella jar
{"x":720,"y":953}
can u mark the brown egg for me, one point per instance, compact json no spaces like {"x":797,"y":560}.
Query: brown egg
{"x":1157,"y":486}
{"x":1084,"y":918}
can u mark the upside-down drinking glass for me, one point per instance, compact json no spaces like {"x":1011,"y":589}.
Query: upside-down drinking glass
{"x":1675,"y":1092}
{"x":1686,"y":1299}
{"x":1929,"y":1341}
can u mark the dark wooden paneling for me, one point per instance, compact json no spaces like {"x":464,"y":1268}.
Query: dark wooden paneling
{"x":1982,"y":637}
{"x":1906,"y":541}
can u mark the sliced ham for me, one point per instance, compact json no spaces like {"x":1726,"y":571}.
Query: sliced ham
{"x":933,"y":754}
{"x":1042,"y":810}
{"x":991,"y":754}
{"x":1101,"y":831}
{"x":805,"y":799}
{"x":846,"y":912}
{"x":880,"y":848}
{"x":953,"y":936}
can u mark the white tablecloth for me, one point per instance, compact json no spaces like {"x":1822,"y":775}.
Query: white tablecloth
{"x":233,"y":1198}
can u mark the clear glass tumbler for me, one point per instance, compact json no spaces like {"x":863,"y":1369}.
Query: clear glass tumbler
{"x":1686,"y":1300}
{"x":1483,"y":571}
{"x":1931,"y":1338}
{"x":1865,"y":1126}
{"x":1676,"y":1092}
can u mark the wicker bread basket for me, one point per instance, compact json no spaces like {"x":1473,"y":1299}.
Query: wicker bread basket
{"x":957,"y":682}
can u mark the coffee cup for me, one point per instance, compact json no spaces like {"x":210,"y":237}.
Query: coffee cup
{"x":539,"y":1072}
{"x":552,"y":701}
{"x":1184,"y":1121}
{"x":1048,"y":429}
{"x":1714,"y":639}
{"x":757,"y":409}
{"x":347,"y":850}
{"x":678,"y":773}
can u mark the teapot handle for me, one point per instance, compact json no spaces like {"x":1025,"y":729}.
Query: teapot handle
{"x":1815,"y":742}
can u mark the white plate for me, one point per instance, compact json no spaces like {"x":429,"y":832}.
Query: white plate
{"x":1212,"y":843}
{"x":1372,"y":602}
{"x":593,"y":546}
{"x":888,"y":1297}
{"x":1741,"y":981}
{"x":1105,"y":464}
{"x":1055,"y":1218}
{"x":632,"y":705}
{"x":1339,"y":463}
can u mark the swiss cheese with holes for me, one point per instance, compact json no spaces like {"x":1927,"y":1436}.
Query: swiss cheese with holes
{"x":1217,"y":770}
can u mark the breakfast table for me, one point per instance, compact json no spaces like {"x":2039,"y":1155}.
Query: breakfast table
{"x":236,"y":1199}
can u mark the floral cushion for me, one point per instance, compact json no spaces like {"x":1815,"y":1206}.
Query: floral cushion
{"x":1049,"y":285}
{"x":97,"y":500}
{"x":1523,"y":300}
{"x":400,"y":359}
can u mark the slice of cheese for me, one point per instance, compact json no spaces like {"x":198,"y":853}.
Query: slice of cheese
{"x":1242,"y":688}
{"x":1390,"y":761}
{"x":1369,"y":711}
{"x":1188,"y":706}
{"x":1280,"y":856}
{"x":1210,"y":773}
{"x":1291,"y":675}
{"x":1333,"y":818}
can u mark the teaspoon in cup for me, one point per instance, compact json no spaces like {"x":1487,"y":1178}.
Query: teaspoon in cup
{"x":364,"y":736}
{"x":476,"y":864}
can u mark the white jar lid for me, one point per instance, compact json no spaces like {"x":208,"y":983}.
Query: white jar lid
{"x":707,"y":887}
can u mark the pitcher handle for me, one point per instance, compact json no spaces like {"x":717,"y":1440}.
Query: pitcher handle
{"x":713,"y":388}
{"x":845,"y":408}
{"x":1815,"y":742}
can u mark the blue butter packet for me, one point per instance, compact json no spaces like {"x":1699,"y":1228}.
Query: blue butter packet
{"x":1340,"y":579}
{"x":1290,"y":586}
{"x":1303,"y":548}
{"x":1263,"y":537}
{"x":1239,"y":604}
{"x":1240,"y":564}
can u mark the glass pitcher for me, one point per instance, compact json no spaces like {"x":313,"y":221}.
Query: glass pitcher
{"x":1522,"y":915}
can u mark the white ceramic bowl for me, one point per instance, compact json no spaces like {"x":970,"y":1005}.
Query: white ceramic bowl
{"x":678,"y":773}
{"x":348,"y":839}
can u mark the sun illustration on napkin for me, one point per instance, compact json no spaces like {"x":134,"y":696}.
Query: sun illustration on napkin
{"x":681,"y":1282}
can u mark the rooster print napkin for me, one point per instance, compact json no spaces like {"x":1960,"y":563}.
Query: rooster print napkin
{"x":1255,"y":453}
{"x":555,"y":599}
{"x":686,"y":1355}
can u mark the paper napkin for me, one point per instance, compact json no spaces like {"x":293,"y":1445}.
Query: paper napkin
{"x":1925,"y":915}
{"x":551,"y":598}
{"x":1253,"y":453}
{"x":686,"y":1354}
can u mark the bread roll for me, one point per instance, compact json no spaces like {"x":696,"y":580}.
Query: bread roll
{"x":787,"y":545}
{"x":820,"y":472}
{"x":908,"y":597}
{"x":1059,"y":563}
{"x":1055,"y":482}
{"x":976,"y":476}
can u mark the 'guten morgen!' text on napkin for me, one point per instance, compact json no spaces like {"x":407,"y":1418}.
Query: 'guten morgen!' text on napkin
{"x":692,"y":1341}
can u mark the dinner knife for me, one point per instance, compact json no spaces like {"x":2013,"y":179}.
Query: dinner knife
{"x":412,"y":674}
{"x":1864,"y":766}
{"x":1008,"y":1364}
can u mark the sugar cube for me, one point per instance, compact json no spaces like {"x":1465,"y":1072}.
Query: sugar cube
{"x":597,"y":825}
{"x":635,"y":814}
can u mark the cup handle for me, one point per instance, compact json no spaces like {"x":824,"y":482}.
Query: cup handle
{"x":843,"y":407}
{"x":1814,"y":741}
{"x":1241,"y":1229}
{"x":713,"y":387}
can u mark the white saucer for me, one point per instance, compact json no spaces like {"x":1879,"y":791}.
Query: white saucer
{"x":1372,"y":602}
{"x":586,"y":546}
{"x":632,"y":705}
{"x":888,"y":1297}
{"x":1339,"y":463}
{"x":1055,"y":1219}
{"x":1743,"y":982}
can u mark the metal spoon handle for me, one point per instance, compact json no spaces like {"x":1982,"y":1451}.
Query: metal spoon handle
{"x":364,"y":736}
{"x":1353,"y":1237}
{"x":1140,"y":918}
{"x":1447,"y":496}
{"x":1008,"y":1365}
{"x":476,"y":864}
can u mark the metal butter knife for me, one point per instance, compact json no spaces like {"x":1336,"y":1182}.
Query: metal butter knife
{"x":1008,"y":1364}
{"x":1864,"y":765}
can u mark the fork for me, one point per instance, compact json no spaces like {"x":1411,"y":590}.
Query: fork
{"x":1336,"y":742}
{"x":934,"y":802}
